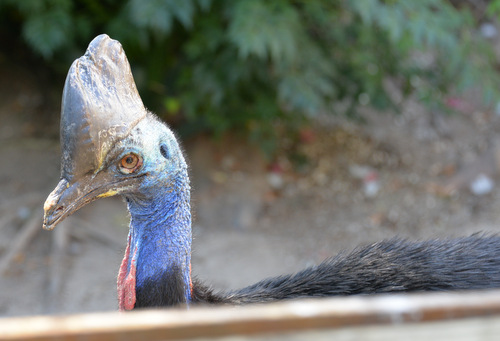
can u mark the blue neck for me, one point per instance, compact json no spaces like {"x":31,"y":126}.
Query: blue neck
{"x":160,"y":243}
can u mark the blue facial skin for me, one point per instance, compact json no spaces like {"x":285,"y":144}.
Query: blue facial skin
{"x":160,"y":225}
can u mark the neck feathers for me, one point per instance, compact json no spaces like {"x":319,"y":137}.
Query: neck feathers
{"x":160,"y":245}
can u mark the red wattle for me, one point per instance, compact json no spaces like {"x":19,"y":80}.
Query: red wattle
{"x":126,"y":281}
{"x":190,"y":281}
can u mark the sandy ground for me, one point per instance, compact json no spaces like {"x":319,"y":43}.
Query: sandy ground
{"x":252,"y":219}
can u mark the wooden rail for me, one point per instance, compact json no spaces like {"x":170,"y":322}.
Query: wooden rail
{"x":385,"y":312}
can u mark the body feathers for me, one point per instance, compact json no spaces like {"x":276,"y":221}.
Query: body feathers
{"x":390,"y":266}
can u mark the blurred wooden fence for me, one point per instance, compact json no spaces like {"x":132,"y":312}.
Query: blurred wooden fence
{"x":441,"y":316}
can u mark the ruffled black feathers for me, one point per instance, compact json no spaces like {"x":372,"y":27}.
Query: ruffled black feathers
{"x":390,"y":266}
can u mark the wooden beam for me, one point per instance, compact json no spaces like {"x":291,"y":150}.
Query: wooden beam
{"x":386,"y":311}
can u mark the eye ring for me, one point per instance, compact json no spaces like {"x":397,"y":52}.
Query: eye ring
{"x":130,"y":163}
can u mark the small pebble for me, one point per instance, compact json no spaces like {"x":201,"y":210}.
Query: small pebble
{"x":482,"y":185}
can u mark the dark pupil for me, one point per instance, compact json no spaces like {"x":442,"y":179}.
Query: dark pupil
{"x":129,"y":160}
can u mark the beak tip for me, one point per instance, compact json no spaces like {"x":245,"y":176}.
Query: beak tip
{"x":52,"y":212}
{"x":47,"y":226}
{"x":48,"y":217}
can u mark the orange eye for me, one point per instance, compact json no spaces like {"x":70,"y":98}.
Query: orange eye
{"x":130,"y":163}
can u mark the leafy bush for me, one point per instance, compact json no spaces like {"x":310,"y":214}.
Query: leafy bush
{"x":253,"y":64}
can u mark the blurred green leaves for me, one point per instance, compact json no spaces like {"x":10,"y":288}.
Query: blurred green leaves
{"x":257,"y":65}
{"x":265,"y":29}
{"x":159,"y":15}
{"x":46,"y":23}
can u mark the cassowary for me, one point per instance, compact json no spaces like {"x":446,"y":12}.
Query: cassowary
{"x":111,"y":145}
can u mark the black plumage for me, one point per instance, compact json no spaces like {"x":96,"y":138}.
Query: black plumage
{"x":394,"y":265}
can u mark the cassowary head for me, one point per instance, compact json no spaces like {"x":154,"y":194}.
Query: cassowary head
{"x":110,"y":143}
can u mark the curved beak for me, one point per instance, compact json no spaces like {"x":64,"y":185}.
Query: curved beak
{"x":68,"y":198}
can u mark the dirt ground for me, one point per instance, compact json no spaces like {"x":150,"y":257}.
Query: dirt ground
{"x":252,"y":218}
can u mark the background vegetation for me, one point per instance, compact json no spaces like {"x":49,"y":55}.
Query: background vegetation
{"x":263,"y":65}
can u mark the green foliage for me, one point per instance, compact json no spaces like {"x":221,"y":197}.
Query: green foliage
{"x":274,"y":34}
{"x":159,"y":15}
{"x":257,"y":65}
{"x":46,"y":24}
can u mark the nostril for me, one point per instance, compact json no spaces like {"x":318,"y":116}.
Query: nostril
{"x":59,"y":209}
